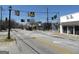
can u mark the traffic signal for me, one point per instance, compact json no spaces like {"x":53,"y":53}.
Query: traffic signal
{"x":28,"y":20}
{"x":22,"y":20}
{"x":54,"y":17}
{"x":6,"y":19}
{"x":31,"y":14}
{"x":17,"y":12}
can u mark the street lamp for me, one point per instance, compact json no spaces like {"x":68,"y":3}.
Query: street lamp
{"x":9,"y":27}
{"x":1,"y":16}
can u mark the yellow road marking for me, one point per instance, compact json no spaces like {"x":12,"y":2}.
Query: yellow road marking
{"x":53,"y":46}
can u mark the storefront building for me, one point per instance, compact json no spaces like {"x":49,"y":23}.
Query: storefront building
{"x":70,"y":24}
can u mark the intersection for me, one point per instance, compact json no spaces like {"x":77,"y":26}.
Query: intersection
{"x":35,"y":42}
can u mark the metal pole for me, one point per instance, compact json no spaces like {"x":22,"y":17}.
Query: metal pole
{"x":9,"y":27}
{"x":1,"y":17}
{"x":47,"y":15}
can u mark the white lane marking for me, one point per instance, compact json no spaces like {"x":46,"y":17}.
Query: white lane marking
{"x":57,"y":42}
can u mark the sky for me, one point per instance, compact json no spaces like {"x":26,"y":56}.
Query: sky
{"x":40,"y":11}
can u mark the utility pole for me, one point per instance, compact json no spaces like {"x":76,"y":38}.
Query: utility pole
{"x":9,"y":26}
{"x":47,"y":15}
{"x":1,"y":17}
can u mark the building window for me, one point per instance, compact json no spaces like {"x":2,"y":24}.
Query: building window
{"x":64,"y":29}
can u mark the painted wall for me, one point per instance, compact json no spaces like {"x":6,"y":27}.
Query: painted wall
{"x":70,"y":18}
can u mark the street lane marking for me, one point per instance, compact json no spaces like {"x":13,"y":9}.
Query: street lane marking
{"x":56,"y":42}
{"x":20,"y":38}
{"x":55,"y":46}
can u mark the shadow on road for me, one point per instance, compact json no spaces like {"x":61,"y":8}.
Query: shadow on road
{"x":4,"y":52}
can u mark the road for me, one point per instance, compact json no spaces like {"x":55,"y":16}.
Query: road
{"x":36,"y":42}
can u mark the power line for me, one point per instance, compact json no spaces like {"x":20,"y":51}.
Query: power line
{"x":31,"y":11}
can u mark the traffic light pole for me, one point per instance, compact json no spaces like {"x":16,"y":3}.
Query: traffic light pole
{"x":1,"y":17}
{"x":47,"y":15}
{"x":9,"y":27}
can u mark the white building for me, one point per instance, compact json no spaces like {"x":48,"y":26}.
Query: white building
{"x":70,"y":23}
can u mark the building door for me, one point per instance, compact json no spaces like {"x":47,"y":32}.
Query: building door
{"x":64,"y":29}
{"x":77,"y":30}
{"x":70,"y":29}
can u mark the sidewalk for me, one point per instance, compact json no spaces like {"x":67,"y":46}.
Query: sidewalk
{"x":7,"y":47}
{"x":63,"y":36}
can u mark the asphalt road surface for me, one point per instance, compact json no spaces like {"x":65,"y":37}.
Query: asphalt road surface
{"x":36,"y":42}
